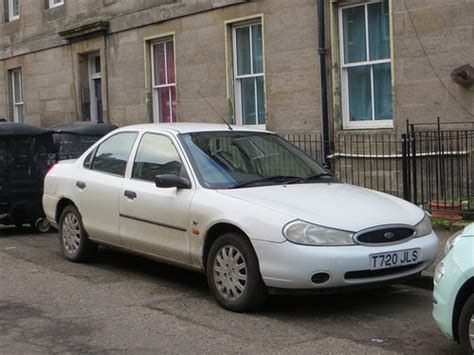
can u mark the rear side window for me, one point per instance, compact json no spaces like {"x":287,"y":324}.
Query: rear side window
{"x":157,"y":155}
{"x":112,"y":155}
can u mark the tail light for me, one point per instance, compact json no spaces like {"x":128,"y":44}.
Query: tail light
{"x":52,"y":161}
{"x":50,"y":167}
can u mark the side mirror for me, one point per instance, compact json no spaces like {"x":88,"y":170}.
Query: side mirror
{"x":167,"y":181}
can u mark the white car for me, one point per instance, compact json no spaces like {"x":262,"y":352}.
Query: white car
{"x":246,"y":207}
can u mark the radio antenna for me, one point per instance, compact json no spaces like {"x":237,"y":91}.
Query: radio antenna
{"x":217,"y":113}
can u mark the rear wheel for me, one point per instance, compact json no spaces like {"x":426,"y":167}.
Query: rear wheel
{"x":466,"y":326}
{"x":74,"y":240}
{"x":42,"y":225}
{"x":233,"y":274}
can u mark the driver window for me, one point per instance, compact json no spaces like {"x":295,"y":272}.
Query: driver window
{"x":157,"y":155}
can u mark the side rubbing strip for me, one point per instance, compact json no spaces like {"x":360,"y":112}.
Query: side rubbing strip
{"x":155,"y":223}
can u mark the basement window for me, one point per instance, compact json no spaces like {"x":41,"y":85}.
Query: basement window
{"x":13,"y":10}
{"x":55,"y":3}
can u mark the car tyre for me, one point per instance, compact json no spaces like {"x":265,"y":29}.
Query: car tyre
{"x":466,"y":326}
{"x":42,"y":225}
{"x":75,"y":243}
{"x":233,"y":274}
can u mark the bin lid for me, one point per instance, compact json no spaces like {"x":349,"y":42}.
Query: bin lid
{"x":85,"y":128}
{"x":20,"y":129}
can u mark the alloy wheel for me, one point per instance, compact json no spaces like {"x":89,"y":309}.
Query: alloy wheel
{"x":230,"y":273}
{"x":471,"y":332}
{"x":71,"y":233}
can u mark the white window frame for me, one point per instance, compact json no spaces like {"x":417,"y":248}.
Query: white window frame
{"x":237,"y":78}
{"x":52,"y":4}
{"x":155,"y":87}
{"x":17,"y":105}
{"x":92,"y":77}
{"x":11,"y":15}
{"x":368,"y":124}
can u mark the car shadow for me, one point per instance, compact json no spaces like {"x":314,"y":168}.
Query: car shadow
{"x":12,"y":231}
{"x":137,"y":266}
{"x":182,"y":279}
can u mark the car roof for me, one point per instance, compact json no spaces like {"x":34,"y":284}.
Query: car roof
{"x":183,"y":127}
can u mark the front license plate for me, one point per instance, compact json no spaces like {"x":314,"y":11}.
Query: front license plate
{"x":394,"y":259}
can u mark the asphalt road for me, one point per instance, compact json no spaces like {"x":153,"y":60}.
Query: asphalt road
{"x":123,"y":303}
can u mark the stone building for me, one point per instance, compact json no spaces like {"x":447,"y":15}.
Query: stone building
{"x":252,"y":62}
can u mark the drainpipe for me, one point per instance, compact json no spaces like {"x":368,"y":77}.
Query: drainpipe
{"x":323,"y":77}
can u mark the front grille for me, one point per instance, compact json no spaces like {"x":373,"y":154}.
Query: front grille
{"x":365,"y":274}
{"x":384,"y":235}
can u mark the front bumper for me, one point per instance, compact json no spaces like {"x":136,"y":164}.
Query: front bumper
{"x":446,"y":290}
{"x":291,"y":266}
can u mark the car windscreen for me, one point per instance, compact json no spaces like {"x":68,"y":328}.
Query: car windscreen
{"x":233,"y":159}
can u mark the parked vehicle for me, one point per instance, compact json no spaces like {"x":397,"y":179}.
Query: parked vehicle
{"x":26,"y":152}
{"x":72,"y":140}
{"x":453,"y":295}
{"x":245,"y":206}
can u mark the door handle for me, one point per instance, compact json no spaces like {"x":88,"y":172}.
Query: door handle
{"x":130,"y":194}
{"x":81,"y":185}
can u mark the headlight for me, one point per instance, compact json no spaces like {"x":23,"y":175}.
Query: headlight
{"x":424,"y":227}
{"x":300,"y":232}
{"x":439,"y":273}
{"x":452,"y":241}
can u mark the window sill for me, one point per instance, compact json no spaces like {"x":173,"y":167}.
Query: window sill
{"x":254,"y":126}
{"x":368,"y":124}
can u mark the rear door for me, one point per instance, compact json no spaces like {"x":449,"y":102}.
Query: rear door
{"x":99,"y":186}
{"x":156,"y":220}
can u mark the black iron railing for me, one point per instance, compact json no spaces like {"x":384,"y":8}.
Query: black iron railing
{"x":429,"y":166}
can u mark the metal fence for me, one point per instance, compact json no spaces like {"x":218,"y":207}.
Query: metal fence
{"x":371,"y":161}
{"x":439,"y":170}
{"x":431,"y":168}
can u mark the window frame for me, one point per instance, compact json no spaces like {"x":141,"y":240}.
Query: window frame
{"x":20,"y":105}
{"x":93,"y":76}
{"x":52,"y":5}
{"x":176,"y":147}
{"x":11,"y":16}
{"x":155,"y":88}
{"x":363,"y":124}
{"x":96,"y":148}
{"x":237,"y":79}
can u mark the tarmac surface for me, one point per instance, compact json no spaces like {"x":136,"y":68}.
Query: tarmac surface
{"x":125,"y":304}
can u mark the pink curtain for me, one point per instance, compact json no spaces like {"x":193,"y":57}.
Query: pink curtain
{"x":160,"y":70}
{"x":170,"y":61}
{"x":166,"y":95}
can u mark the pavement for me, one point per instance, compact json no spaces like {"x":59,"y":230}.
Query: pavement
{"x":125,"y":304}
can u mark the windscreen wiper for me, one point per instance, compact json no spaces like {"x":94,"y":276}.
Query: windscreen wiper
{"x":277,"y":178}
{"x":311,"y":178}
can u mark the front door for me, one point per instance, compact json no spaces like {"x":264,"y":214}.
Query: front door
{"x":156,"y":220}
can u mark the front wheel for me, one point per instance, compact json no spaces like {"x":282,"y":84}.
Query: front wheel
{"x":233,"y":274}
{"x":74,"y":240}
{"x":466,"y":326}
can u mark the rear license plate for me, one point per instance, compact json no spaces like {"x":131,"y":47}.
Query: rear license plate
{"x":394,"y":259}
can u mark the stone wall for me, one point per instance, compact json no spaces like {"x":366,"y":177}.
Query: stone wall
{"x":431,"y":38}
{"x":291,"y":68}
{"x":422,"y":59}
